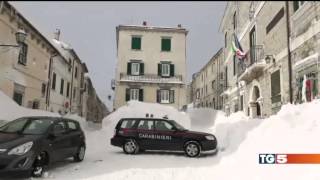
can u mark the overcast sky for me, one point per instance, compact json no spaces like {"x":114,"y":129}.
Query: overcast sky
{"x":90,"y":28}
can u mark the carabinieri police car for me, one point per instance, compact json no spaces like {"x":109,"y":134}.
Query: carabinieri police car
{"x":138,"y":134}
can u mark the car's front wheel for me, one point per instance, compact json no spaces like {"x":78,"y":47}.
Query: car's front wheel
{"x":192,"y":149}
{"x":130,"y":147}
{"x":39,"y":165}
{"x":80,"y":154}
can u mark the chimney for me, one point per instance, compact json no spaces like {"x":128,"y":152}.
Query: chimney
{"x":57,"y":34}
{"x":179,"y":26}
{"x":144,"y":23}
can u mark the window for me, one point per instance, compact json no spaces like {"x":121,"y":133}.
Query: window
{"x":60,"y":127}
{"x":213,"y":84}
{"x":43,"y":89}
{"x":76,"y":72}
{"x":72,"y":126}
{"x":69,"y":66}
{"x":53,"y":86}
{"x":225,"y":39}
{"x":165,"y":69}
{"x":127,"y":123}
{"x":35,"y":105}
{"x":163,"y":126}
{"x":235,"y":20}
{"x":74,"y":93}
{"x":17,"y":97}
{"x":135,"y":68}
{"x":275,"y":20}
{"x":275,"y":87}
{"x":68,"y":89}
{"x":297,"y":5}
{"x":22,"y":59}
{"x":165,"y":96}
{"x":61,"y":86}
{"x":226,"y":74}
{"x":166,"y":44}
{"x":145,"y":125}
{"x":136,"y":43}
{"x":134,"y":94}
{"x":241,"y":103}
{"x":206,"y":89}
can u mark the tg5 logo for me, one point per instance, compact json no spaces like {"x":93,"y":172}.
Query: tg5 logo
{"x":273,"y":158}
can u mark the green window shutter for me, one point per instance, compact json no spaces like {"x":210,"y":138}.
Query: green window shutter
{"x":159,"y":69}
{"x":141,"y":68}
{"x":129,"y":68}
{"x":136,"y":43}
{"x":165,"y":44}
{"x":140,"y":94}
{"x":158,"y":96}
{"x":171,"y":70}
{"x":171,"y":96}
{"x":127,"y":94}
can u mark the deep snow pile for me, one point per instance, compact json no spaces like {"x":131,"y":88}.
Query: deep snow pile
{"x":10,"y":110}
{"x":295,"y":129}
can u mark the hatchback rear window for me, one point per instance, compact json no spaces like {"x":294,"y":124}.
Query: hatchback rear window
{"x":127,"y":123}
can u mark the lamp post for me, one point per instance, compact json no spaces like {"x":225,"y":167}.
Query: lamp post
{"x":20,"y":38}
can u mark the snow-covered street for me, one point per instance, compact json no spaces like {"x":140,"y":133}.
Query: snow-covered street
{"x":295,"y":129}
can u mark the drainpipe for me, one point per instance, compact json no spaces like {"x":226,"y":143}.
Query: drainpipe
{"x":71,"y":94}
{"x":289,"y":52}
{"x":49,"y":81}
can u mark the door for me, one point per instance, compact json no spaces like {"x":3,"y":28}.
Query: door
{"x":145,"y":132}
{"x":75,"y":135}
{"x":167,"y":137}
{"x":59,"y":142}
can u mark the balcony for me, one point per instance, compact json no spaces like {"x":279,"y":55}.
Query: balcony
{"x":151,"y":78}
{"x":253,"y":65}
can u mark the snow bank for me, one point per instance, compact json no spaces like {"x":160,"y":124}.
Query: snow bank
{"x":10,"y":110}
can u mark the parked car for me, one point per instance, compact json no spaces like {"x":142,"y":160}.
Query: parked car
{"x":138,"y":134}
{"x":30,"y":144}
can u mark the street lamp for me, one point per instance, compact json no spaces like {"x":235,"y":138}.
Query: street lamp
{"x":20,"y":38}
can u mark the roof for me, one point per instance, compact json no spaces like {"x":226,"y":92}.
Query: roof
{"x":152,"y":28}
{"x":85,"y":68}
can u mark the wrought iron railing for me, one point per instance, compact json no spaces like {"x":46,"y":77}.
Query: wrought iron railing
{"x":151,"y":78}
{"x":255,"y":55}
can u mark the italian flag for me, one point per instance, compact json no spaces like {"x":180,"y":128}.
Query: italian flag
{"x":236,"y":48}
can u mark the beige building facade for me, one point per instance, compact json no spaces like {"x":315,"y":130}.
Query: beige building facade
{"x":151,"y":65}
{"x":281,"y":43}
{"x":23,"y":70}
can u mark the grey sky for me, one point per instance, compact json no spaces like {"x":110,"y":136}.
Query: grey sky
{"x":90,"y":29}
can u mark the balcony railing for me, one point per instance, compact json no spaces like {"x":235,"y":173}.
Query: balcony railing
{"x":151,"y":78}
{"x":254,"y":59}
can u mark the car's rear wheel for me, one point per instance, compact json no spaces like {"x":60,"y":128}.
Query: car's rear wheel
{"x":39,"y":165}
{"x":130,"y":146}
{"x":192,"y":149}
{"x":80,"y":154}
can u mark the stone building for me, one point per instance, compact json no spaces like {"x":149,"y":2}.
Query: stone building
{"x":23,"y":69}
{"x":96,"y":109}
{"x":206,"y":83}
{"x":151,"y":65}
{"x":281,"y":43}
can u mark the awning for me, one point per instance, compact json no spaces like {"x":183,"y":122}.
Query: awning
{"x":307,"y":62}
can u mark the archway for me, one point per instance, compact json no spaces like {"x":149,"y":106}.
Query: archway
{"x":255,"y":109}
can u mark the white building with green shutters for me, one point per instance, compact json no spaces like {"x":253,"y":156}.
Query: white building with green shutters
{"x":151,"y":65}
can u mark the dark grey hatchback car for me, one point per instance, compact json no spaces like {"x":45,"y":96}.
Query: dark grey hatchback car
{"x":30,"y":144}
